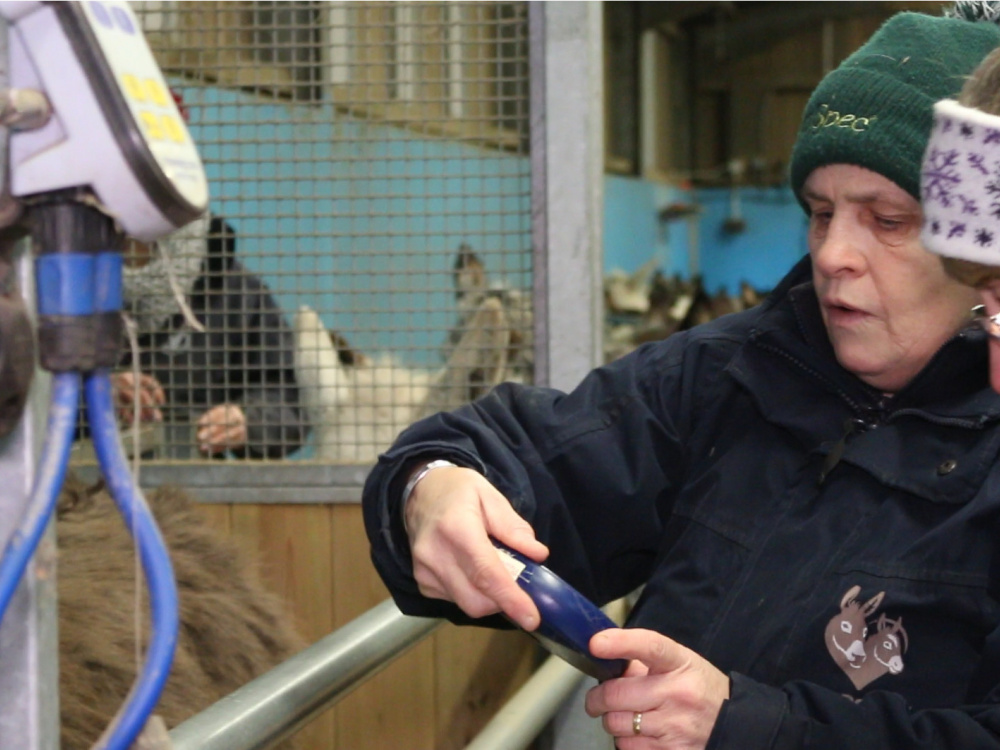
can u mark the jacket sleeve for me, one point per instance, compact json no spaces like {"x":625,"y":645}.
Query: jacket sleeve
{"x":269,"y":396}
{"x":804,"y":716}
{"x":276,"y":424}
{"x":588,"y":470}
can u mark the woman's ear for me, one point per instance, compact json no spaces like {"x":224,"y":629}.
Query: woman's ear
{"x":990,"y":295}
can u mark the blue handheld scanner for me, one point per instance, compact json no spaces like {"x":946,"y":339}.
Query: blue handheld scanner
{"x":569,"y":619}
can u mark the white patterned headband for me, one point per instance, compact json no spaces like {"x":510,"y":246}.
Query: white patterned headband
{"x":960,"y":184}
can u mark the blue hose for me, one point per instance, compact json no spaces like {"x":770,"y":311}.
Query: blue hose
{"x":146,"y":691}
{"x":49,"y":480}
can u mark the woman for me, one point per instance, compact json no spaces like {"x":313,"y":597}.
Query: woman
{"x":959,"y":176}
{"x":806,"y":490}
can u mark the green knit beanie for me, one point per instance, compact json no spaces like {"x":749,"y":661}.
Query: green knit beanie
{"x":875,"y":110}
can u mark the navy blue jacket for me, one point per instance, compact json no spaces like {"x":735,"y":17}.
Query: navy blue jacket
{"x":832,"y":549}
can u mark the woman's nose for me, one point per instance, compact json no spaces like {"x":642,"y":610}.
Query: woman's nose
{"x":839,"y":250}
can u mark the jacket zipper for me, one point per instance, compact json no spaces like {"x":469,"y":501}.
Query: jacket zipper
{"x":852,"y":424}
{"x":854,"y":405}
{"x":864,"y":418}
{"x":873,"y":417}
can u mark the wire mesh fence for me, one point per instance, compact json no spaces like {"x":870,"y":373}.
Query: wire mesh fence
{"x":368,"y":255}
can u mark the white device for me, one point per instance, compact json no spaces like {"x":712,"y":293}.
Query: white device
{"x":115,"y":127}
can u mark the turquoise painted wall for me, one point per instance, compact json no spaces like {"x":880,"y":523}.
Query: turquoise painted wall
{"x":362,"y":221}
{"x":773,"y":239}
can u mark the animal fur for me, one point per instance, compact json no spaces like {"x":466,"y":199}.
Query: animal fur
{"x":495,"y":320}
{"x":356,"y":410}
{"x":359,"y":404}
{"x":232,"y":628}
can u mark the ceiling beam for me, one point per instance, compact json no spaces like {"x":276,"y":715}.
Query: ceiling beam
{"x":653,"y":14}
{"x":755,"y":26}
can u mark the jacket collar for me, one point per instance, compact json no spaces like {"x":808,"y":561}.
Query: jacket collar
{"x":954,"y":384}
{"x":788,"y":362}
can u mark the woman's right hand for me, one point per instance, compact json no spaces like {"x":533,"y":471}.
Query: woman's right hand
{"x":148,"y":392}
{"x":450,"y":516}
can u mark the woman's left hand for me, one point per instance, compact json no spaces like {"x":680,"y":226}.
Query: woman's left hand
{"x":221,"y":428}
{"x":676,"y":693}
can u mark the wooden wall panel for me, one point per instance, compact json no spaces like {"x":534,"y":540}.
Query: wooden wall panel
{"x":357,"y":585}
{"x":394,"y":708}
{"x":749,"y":105}
{"x":438,"y":695}
{"x":294,"y":542}
{"x":478,"y":670}
{"x":217,"y":515}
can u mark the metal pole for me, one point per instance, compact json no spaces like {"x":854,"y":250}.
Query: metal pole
{"x":567,"y":153}
{"x":29,"y":643}
{"x":538,"y":139}
{"x":524,"y":716}
{"x":277,"y":704}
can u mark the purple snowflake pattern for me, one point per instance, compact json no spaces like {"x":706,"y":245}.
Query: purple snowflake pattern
{"x":957,"y":230}
{"x":984,"y":237}
{"x":935,"y":227}
{"x":993,"y":188}
{"x":992,"y":136}
{"x":976,"y":162}
{"x":946,"y":124}
{"x":969,"y":206}
{"x":967,"y":131}
{"x":940,"y":176}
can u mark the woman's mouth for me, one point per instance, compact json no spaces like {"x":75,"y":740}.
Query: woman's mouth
{"x":839,"y":313}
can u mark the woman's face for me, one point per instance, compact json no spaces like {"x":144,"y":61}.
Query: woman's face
{"x":887,"y":303}
{"x":989,"y":295}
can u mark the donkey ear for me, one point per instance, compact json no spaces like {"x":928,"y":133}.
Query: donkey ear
{"x":898,"y":628}
{"x":872,"y":604}
{"x":849,"y":596}
{"x":470,"y":273}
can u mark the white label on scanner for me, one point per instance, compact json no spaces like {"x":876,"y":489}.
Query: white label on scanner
{"x":514,"y":567}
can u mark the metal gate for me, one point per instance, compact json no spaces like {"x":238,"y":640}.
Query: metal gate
{"x":371,"y":251}
{"x":359,"y":211}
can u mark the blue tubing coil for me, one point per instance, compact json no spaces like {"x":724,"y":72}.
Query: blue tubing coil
{"x":48,"y":482}
{"x":146,"y":691}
